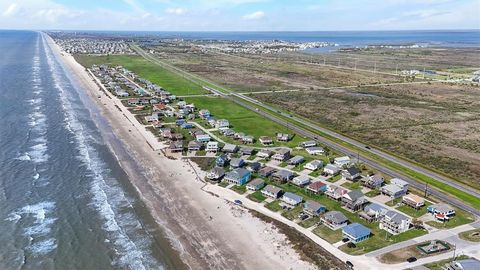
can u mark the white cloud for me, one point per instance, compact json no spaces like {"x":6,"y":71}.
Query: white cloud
{"x":176,"y":11}
{"x":254,"y":15}
{"x":11,"y":10}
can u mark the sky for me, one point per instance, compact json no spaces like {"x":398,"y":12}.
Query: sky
{"x":239,"y":15}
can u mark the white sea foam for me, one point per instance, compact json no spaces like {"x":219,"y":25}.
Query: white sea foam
{"x":107,"y":199}
{"x":43,"y":247}
{"x":38,"y":216}
{"x":38,"y":153}
{"x":24,"y":157}
{"x":36,"y":176}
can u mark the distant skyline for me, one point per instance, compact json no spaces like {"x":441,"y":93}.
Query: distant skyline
{"x":239,"y":15}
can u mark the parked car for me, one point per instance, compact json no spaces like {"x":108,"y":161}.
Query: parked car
{"x":237,"y":202}
{"x":411,"y":259}
{"x":349,"y":264}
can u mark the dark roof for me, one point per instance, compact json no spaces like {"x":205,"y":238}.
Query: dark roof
{"x":353,"y":170}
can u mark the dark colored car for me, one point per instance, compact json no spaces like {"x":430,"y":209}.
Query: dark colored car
{"x":368,"y":147}
{"x":411,"y":259}
{"x":349,"y":264}
{"x":344,"y":240}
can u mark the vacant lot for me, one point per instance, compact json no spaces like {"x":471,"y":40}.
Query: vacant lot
{"x":147,"y":70}
{"x":434,"y":124}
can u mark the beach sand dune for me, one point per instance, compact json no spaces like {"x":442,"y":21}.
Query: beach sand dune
{"x":208,"y":232}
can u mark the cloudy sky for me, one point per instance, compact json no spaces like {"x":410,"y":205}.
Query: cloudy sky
{"x":243,"y":15}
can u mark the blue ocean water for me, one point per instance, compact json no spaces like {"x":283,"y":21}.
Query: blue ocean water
{"x":452,"y":38}
{"x":65,"y":201}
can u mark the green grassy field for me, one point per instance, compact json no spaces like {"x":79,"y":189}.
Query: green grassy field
{"x":309,"y":222}
{"x":293,"y":213}
{"x":274,"y":206}
{"x":256,"y":196}
{"x":461,"y":217}
{"x":328,"y":234}
{"x":379,"y":240}
{"x":242,"y":119}
{"x":412,"y":211}
{"x":170,"y":81}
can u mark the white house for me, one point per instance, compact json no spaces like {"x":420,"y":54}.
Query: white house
{"x":315,"y":150}
{"x":342,"y":161}
{"x":212,"y":146}
{"x":331,"y":169}
{"x":222,"y":123}
{"x":313,"y":165}
{"x":301,"y":180}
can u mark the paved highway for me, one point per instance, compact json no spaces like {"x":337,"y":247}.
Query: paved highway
{"x":218,"y":90}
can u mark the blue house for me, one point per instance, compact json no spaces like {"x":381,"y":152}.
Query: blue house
{"x":238,"y":176}
{"x":222,"y":160}
{"x":314,"y":208}
{"x":356,"y":232}
{"x":180,"y":122}
{"x":186,"y":126}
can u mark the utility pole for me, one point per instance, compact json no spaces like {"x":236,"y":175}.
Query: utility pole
{"x":324,"y":61}
{"x":375,"y":67}
{"x":338,"y":62}
{"x":396,"y":69}
{"x":355,"y":64}
{"x":426,"y":190}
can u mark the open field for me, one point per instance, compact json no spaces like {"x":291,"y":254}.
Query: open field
{"x":472,"y":236}
{"x":401,"y":255}
{"x":147,"y":70}
{"x":434,"y":124}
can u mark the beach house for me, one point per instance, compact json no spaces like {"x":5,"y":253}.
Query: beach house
{"x":272,"y":191}
{"x":441,"y":211}
{"x":356,"y":232}
{"x":413,"y":200}
{"x":313,"y":165}
{"x":395,"y":223}
{"x":315,"y":150}
{"x":314,"y":208}
{"x":291,"y":198}
{"x":301,"y":180}
{"x":341,"y":161}
{"x":334,"y":220}
{"x":317,"y":187}
{"x":282,"y":154}
{"x":331,"y":169}
{"x":350,"y":173}
{"x":256,"y":184}
{"x":238,"y":176}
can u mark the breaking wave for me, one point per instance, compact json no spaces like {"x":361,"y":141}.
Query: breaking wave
{"x":132,"y":249}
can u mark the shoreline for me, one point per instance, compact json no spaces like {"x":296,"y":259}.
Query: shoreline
{"x":207,"y":231}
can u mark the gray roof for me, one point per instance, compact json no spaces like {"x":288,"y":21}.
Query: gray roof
{"x":355,"y":194}
{"x":313,"y":205}
{"x":336,"y":216}
{"x":229,"y":147}
{"x":237,"y":173}
{"x":236,"y":162}
{"x":443,"y":207}
{"x":256,"y":182}
{"x":396,"y":216}
{"x":283,"y":151}
{"x":296,"y":159}
{"x":284,"y":174}
{"x":375,"y":208}
{"x":392,"y":188}
{"x":272,"y":189}
{"x":293,"y":197}
{"x":468,"y":264}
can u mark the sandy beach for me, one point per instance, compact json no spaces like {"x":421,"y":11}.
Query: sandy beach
{"x":207,"y":231}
